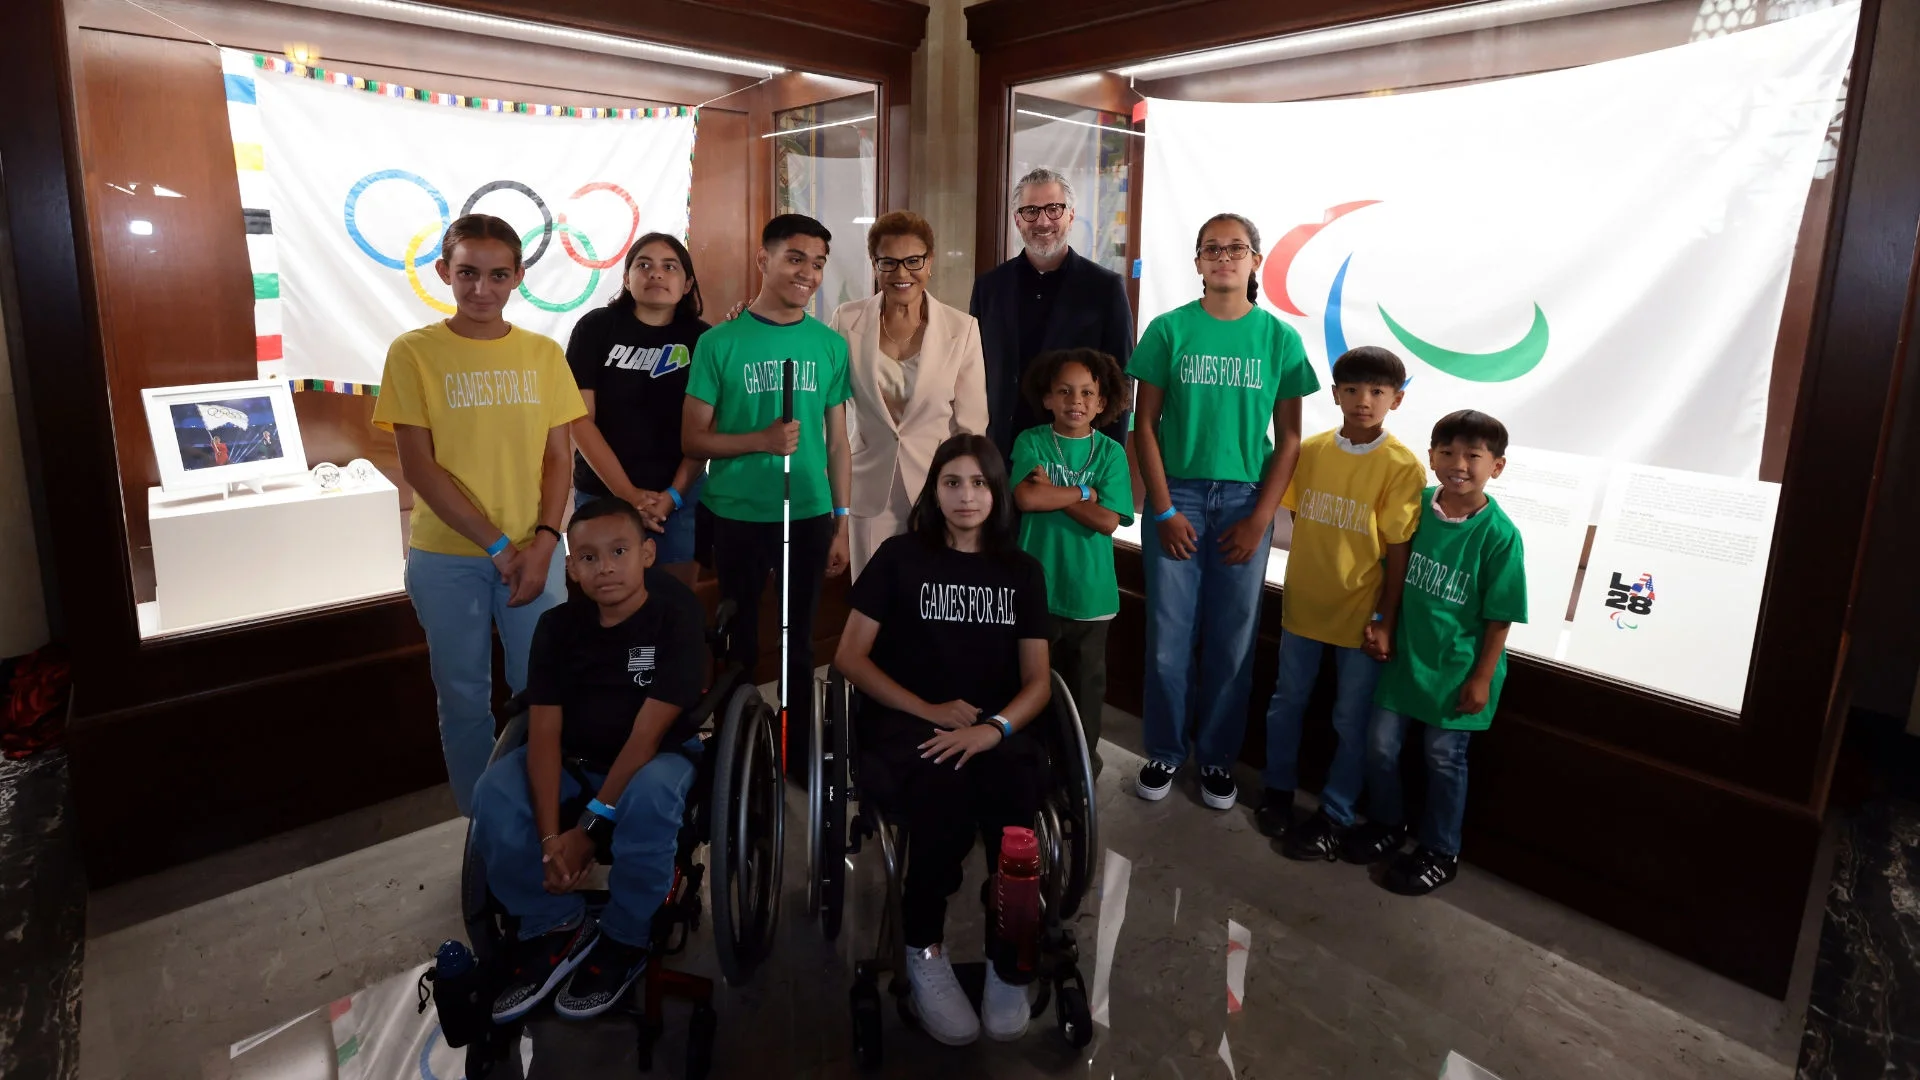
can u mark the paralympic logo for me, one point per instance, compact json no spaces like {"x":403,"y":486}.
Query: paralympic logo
{"x":423,"y":246}
{"x":1500,"y":365}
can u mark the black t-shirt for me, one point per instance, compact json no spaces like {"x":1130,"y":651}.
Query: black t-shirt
{"x":638,"y":374}
{"x":601,"y":675}
{"x":951,"y":622}
{"x":1038,"y":294}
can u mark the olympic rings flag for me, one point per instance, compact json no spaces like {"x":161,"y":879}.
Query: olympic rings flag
{"x":1597,"y":255}
{"x":349,"y":185}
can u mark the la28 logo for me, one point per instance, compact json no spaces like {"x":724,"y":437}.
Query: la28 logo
{"x":1629,"y":598}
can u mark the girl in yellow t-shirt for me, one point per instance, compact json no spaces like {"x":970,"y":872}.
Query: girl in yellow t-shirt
{"x":479,"y":410}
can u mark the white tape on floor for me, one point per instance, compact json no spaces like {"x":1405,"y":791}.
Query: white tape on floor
{"x":1176,"y":905}
{"x":1226,"y":1055}
{"x":1239,"y":941}
{"x":1459,"y":1068}
{"x":1116,"y":878}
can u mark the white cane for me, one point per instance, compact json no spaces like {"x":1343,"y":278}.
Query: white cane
{"x":786,"y":552}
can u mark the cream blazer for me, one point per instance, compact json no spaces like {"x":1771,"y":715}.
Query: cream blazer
{"x":949,"y":397}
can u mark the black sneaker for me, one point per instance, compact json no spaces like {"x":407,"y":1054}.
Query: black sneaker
{"x":1369,"y":843}
{"x":1217,"y":788}
{"x":1316,"y":839}
{"x":539,"y":964}
{"x":1421,"y":872}
{"x":1275,"y":816}
{"x":605,"y":978}
{"x":1155,"y":781}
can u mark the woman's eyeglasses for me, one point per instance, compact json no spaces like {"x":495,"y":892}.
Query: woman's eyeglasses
{"x":1053,"y":210}
{"x":1232,"y":252}
{"x":911,"y":262}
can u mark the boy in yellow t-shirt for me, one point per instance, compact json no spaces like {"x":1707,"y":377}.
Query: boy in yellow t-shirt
{"x":1355,"y":498}
{"x":480,"y":411}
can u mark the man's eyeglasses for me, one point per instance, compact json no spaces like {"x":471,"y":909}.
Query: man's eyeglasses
{"x":1232,"y":252}
{"x":911,"y":262}
{"x":1053,"y":210}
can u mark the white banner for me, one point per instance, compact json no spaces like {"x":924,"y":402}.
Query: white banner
{"x":358,"y":180}
{"x":1598,"y":256}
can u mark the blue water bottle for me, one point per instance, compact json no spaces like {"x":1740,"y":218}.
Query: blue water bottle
{"x":457,"y":994}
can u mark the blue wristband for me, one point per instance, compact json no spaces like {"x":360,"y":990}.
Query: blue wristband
{"x":1005,"y":725}
{"x":498,"y":546}
{"x":1166,"y":514}
{"x":1085,"y":493}
{"x":674,"y":494}
{"x":841,"y":511}
{"x":601,"y":809}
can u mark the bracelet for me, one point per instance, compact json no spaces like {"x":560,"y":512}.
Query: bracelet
{"x":1166,"y":514}
{"x":498,"y":546}
{"x":1086,"y":493}
{"x":1005,"y":725}
{"x":549,"y":836}
{"x":548,"y":529}
{"x":841,"y":511}
{"x":674,"y":494}
{"x":600,"y":809}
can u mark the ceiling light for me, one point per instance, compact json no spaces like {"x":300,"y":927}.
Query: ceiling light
{"x":1453,"y":20}
{"x":817,"y":127}
{"x":523,"y":30}
{"x":1082,"y":123}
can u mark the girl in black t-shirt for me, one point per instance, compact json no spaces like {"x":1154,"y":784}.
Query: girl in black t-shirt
{"x":959,"y":672}
{"x":631,"y":360}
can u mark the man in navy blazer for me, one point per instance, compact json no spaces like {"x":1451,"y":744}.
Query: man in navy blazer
{"x":1047,"y":297}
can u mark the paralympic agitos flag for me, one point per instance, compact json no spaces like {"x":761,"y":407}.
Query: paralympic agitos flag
{"x":1597,"y":255}
{"x":348,"y":184}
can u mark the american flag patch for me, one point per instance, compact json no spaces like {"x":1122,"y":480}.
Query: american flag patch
{"x":640,"y":658}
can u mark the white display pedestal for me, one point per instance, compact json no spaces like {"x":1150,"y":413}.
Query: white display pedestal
{"x":220,"y":559}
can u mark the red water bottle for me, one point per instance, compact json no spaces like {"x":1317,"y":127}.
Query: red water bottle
{"x":1017,"y":893}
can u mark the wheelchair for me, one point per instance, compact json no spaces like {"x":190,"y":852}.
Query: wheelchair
{"x":1066,"y":827}
{"x":736,"y":809}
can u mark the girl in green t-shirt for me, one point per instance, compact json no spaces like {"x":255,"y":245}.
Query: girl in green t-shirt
{"x":1216,"y":377}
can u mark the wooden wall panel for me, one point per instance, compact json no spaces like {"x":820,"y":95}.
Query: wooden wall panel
{"x":722,"y":214}
{"x":177,"y":302}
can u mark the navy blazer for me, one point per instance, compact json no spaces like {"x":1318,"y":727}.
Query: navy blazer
{"x":1091,"y":312}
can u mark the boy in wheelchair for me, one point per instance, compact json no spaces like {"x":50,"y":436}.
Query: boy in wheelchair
{"x":613,"y":677}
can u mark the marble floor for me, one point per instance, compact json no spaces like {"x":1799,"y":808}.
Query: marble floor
{"x":1342,"y":979}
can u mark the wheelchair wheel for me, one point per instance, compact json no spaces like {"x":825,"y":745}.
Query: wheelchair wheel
{"x":1071,"y":1015}
{"x":835,"y":743}
{"x":1077,"y":809}
{"x":748,"y":833}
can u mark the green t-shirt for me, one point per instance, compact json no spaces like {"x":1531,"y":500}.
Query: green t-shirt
{"x":1222,"y":380}
{"x":1078,"y":560}
{"x":737,"y":370}
{"x":1460,"y":577}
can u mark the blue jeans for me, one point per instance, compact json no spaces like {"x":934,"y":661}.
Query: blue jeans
{"x":459,"y":599}
{"x":646,"y":833}
{"x":675,"y":545}
{"x":1446,"y":753}
{"x":1201,"y":599}
{"x":1352,"y":706}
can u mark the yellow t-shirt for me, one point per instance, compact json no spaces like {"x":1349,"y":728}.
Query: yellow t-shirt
{"x":1348,"y":504}
{"x":489,"y":405}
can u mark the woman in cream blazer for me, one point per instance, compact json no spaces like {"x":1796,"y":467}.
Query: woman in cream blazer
{"x":918,"y":377}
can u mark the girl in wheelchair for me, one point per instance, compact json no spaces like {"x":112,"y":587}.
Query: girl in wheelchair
{"x":947,"y":640}
{"x":613,"y":678}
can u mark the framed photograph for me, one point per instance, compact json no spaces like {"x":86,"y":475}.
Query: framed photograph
{"x":215,"y":434}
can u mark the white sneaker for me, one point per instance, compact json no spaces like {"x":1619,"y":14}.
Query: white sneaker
{"x":1004,"y":1011}
{"x":938,"y":1001}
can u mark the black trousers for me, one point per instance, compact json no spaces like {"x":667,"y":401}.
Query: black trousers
{"x":1080,"y":656}
{"x":744,"y":554}
{"x":943,"y":808}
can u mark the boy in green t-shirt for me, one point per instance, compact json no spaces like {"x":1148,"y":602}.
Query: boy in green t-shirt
{"x":1466,"y":585}
{"x":1074,"y":490}
{"x":731,"y":418}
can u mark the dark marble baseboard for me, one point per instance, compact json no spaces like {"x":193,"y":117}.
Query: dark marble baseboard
{"x":1863,"y":1019}
{"x":43,"y":922}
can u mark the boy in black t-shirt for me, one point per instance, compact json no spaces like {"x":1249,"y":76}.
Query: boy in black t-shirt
{"x":611,"y":677}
